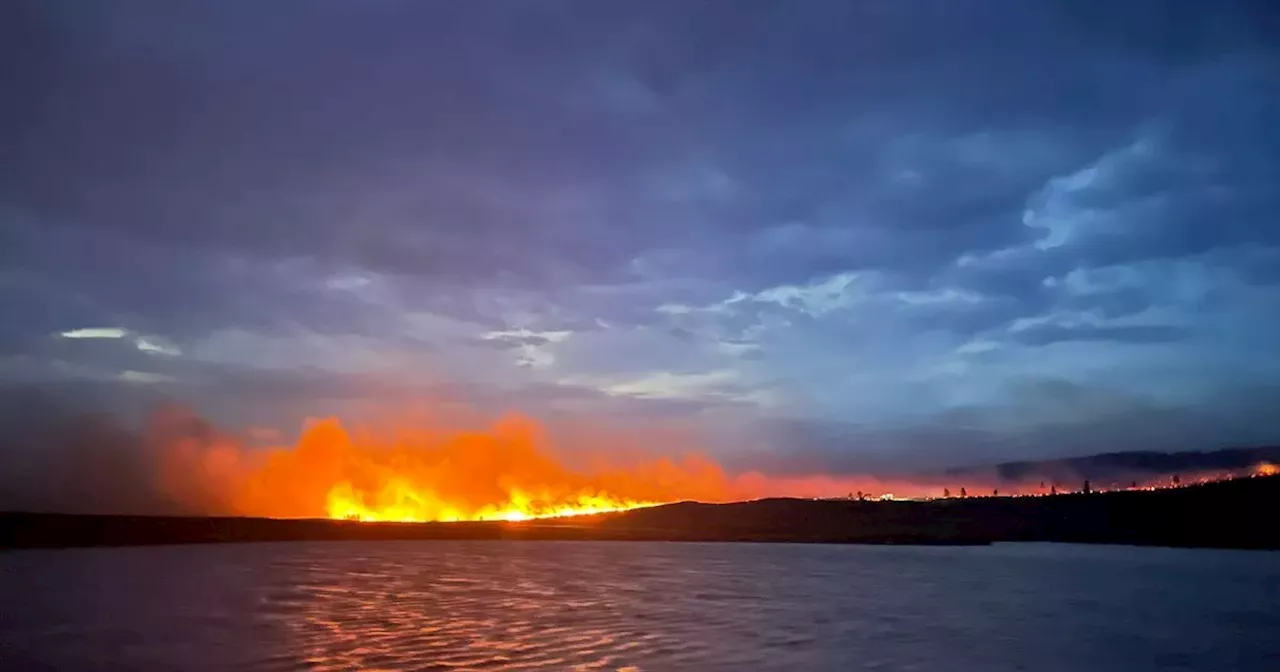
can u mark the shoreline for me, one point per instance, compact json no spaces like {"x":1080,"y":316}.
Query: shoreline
{"x":1226,"y":514}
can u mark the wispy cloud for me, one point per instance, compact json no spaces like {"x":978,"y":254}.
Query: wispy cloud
{"x":153,"y":345}
{"x":144,"y":377}
{"x":668,"y":385}
{"x":95,"y":332}
{"x":532,"y":347}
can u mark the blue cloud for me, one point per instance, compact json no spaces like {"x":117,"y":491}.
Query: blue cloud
{"x":1153,"y":333}
{"x":727,"y":211}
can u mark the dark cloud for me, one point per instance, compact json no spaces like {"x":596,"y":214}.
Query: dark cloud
{"x":356,"y":138}
{"x":1049,"y":333}
{"x":1070,"y":420}
{"x":302,"y":197}
{"x":61,"y":456}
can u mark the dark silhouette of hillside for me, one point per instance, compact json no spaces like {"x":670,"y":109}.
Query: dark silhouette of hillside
{"x":1225,"y":514}
{"x":1228,"y":514}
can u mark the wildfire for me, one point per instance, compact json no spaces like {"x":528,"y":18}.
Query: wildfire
{"x":507,"y":472}
{"x":510,"y":471}
{"x":399,"y":502}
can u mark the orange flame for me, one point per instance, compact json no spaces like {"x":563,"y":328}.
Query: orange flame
{"x":508,"y":472}
{"x":505,"y":473}
{"x":398,"y":501}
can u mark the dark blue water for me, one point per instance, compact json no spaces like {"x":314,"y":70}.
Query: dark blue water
{"x":638,"y":606}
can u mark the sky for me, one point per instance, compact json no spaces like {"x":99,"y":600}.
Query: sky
{"x":826,"y":234}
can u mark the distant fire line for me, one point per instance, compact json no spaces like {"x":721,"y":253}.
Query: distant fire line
{"x":508,"y":515}
{"x":511,"y":471}
{"x":515,"y":514}
{"x":1165,"y":482}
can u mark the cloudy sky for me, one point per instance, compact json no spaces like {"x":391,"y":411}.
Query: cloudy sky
{"x":864,"y":233}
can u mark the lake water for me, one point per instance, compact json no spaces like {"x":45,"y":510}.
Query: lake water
{"x":638,"y":606}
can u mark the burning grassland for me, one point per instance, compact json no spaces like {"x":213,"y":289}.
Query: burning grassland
{"x":510,"y":470}
{"x":507,"y":471}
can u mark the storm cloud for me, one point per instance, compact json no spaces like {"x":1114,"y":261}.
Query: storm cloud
{"x":848,"y":231}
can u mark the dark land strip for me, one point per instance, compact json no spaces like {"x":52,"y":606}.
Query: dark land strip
{"x":1237,"y":513}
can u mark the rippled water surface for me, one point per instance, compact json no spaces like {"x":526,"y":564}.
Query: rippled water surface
{"x":638,"y":606}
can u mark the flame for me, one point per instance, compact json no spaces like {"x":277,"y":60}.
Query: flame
{"x":399,"y":501}
{"x":510,"y":471}
{"x":507,"y":472}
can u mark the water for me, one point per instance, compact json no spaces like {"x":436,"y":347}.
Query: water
{"x":638,"y":606}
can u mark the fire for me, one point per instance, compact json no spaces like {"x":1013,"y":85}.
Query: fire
{"x":400,"y":502}
{"x":511,"y":471}
{"x":507,"y":472}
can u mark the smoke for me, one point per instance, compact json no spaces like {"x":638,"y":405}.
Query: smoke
{"x":60,"y":456}
{"x":63,"y":456}
{"x":55,"y":456}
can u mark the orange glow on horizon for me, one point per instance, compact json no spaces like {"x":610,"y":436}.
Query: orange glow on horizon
{"x":509,"y":471}
{"x":506,"y":472}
